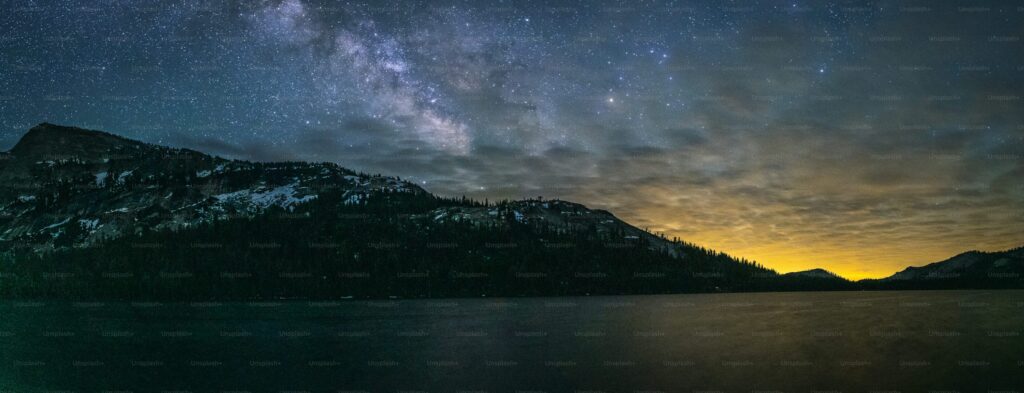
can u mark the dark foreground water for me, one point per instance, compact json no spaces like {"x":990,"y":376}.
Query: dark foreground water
{"x":853,"y":341}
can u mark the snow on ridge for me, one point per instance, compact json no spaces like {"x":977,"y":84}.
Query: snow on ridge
{"x":354,"y":199}
{"x":54,"y":225}
{"x":124,"y":176}
{"x":89,"y":225}
{"x":263,"y":198}
{"x":215,"y":171}
{"x":101,"y":179}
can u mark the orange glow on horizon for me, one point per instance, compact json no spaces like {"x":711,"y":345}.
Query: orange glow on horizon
{"x":856,"y":244}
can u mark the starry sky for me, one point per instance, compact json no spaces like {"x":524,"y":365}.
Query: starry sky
{"x":860,"y":137}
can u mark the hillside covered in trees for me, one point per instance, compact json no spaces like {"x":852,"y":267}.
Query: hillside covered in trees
{"x":90,"y":215}
{"x":389,"y":245}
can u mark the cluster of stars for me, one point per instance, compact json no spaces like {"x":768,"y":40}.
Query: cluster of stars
{"x":722,"y":98}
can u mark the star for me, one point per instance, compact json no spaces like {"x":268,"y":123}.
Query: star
{"x":730,"y":109}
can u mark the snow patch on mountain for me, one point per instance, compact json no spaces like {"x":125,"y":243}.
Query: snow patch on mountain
{"x":354,"y":199}
{"x":89,"y":225}
{"x":101,"y":179}
{"x":124,"y":176}
{"x":262,"y":198}
{"x":54,"y":225}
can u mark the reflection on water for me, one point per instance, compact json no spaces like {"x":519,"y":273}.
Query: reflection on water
{"x":848,"y":341}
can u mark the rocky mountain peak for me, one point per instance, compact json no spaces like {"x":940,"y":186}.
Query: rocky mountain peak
{"x":53,"y":142}
{"x":66,"y":186}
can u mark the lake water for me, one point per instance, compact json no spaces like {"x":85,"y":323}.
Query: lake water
{"x":813,"y":341}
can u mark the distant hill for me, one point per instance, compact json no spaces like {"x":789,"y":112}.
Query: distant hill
{"x":972,"y":269}
{"x":90,"y":215}
{"x":816,"y":273}
{"x":815,"y":280}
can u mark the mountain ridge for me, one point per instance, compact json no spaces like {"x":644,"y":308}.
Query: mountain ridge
{"x":970,"y":266}
{"x":74,"y":193}
{"x":46,"y":136}
{"x":816,"y":272}
{"x":100,"y":199}
{"x":57,"y":176}
{"x":53,"y":145}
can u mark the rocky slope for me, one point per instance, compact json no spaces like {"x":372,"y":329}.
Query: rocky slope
{"x":71,"y":187}
{"x":969,"y":269}
{"x":86,"y":214}
{"x":66,"y":186}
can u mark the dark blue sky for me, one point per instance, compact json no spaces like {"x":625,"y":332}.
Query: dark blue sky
{"x":858,"y":136}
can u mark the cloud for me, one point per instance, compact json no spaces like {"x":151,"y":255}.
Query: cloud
{"x":859,"y":141}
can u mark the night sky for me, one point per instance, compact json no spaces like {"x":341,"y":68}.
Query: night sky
{"x":857,"y":137}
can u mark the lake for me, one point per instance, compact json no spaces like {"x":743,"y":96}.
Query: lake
{"x":767,"y":342}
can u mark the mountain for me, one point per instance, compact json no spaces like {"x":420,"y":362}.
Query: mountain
{"x":90,"y":215}
{"x":814,"y":280}
{"x":972,"y":269}
{"x":80,"y":207}
{"x":814,"y":273}
{"x":66,"y":186}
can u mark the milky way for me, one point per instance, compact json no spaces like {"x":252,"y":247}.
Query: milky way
{"x":859,"y":137}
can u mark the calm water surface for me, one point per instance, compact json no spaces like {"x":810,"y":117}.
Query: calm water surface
{"x":839,"y":341}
